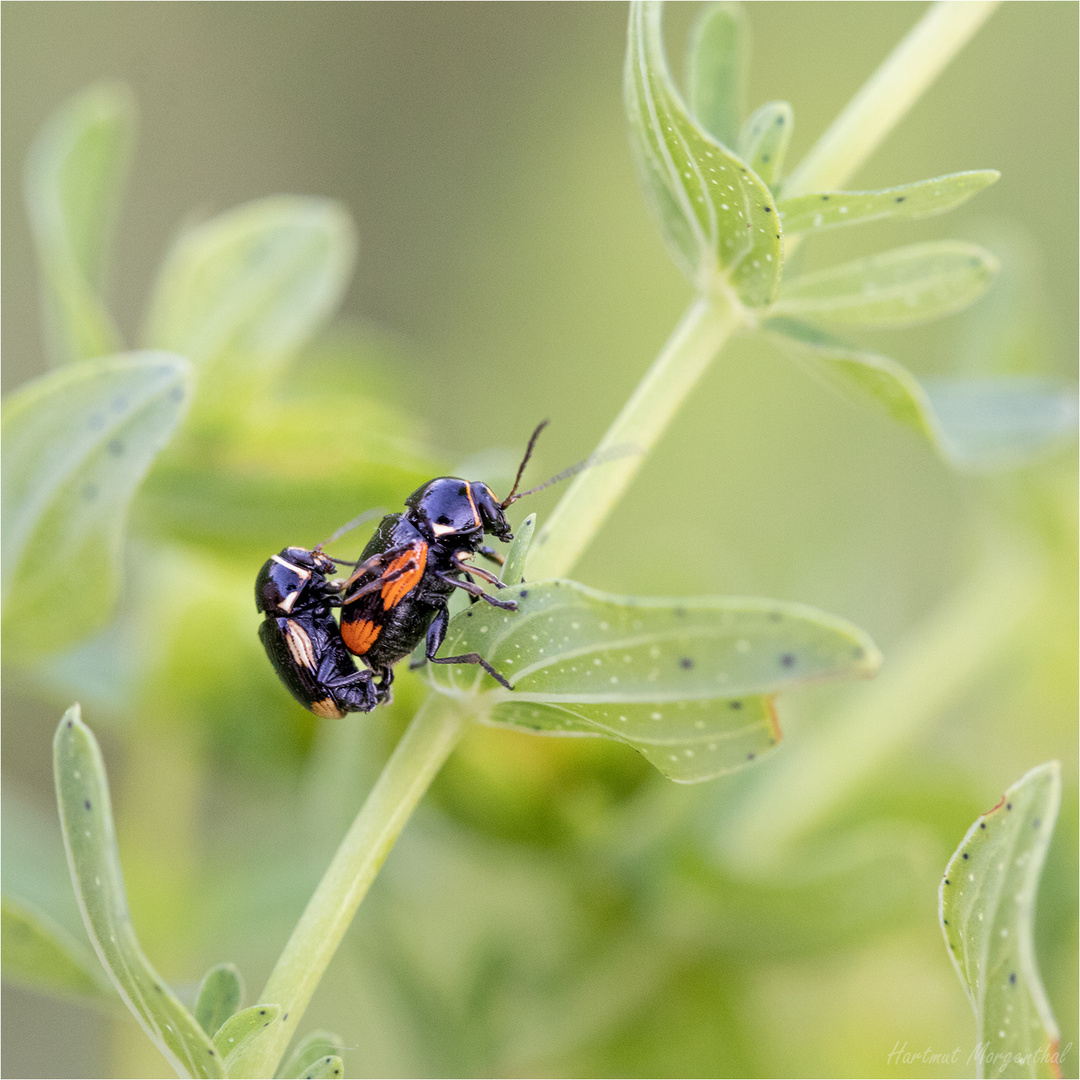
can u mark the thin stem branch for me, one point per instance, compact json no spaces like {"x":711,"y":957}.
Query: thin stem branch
{"x":425,"y":746}
{"x":888,"y":95}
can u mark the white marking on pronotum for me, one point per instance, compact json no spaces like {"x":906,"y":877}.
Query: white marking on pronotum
{"x":287,"y":604}
{"x":298,"y":570}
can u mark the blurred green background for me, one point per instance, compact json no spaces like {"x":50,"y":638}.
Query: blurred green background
{"x":555,"y":908}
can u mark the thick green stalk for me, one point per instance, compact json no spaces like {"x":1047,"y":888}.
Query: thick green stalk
{"x":644,"y":418}
{"x":432,"y":735}
{"x":888,"y":94}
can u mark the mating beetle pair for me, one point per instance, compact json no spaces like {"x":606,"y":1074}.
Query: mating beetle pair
{"x":396,"y":595}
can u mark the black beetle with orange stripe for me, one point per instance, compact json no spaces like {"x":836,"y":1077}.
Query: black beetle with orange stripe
{"x":398,"y":594}
{"x":302,"y":639}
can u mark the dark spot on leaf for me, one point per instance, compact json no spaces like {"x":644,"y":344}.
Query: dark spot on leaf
{"x":748,"y":225}
{"x":1012,"y":978}
{"x":900,"y":198}
{"x":468,"y":614}
{"x":965,"y":855}
{"x":679,"y":612}
{"x":524,"y":593}
{"x":285,"y":1017}
{"x":749,"y":757}
{"x":734,"y":704}
{"x":157,"y":987}
{"x":947,"y":881}
{"x":777,"y":236}
{"x":824,"y":198}
{"x":115,"y":447}
{"x":787,"y":660}
{"x":686,"y":662}
{"x":210,"y":1052}
{"x":982,"y":824}
{"x":262,"y":1012}
{"x":90,"y":492}
{"x":764,"y":157}
{"x":1036,"y":823}
{"x":767,"y":209}
{"x":775,"y":616}
{"x":944,"y":922}
{"x":780,"y":119}
{"x":71,"y":723}
{"x":1008,"y":806}
{"x":86,"y":803}
{"x":176,"y":394}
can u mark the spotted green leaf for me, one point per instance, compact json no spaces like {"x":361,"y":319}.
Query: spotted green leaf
{"x":514,"y":568}
{"x":82,"y":793}
{"x":74,"y":181}
{"x":325,"y":1068}
{"x":688,"y":683}
{"x":763,"y":142}
{"x":718,"y":69}
{"x":313,"y":1047}
{"x":240,"y":1031}
{"x":986,"y":903}
{"x":220,"y":994}
{"x":40,"y":954}
{"x":924,"y":198}
{"x":901,"y":287}
{"x":76,"y":444}
{"x":715,"y":214}
{"x":253,"y":283}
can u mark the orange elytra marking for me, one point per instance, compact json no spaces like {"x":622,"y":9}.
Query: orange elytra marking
{"x":359,"y":636}
{"x":411,"y":565}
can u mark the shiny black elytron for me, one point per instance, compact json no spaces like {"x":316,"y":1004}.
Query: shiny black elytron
{"x":395,"y":597}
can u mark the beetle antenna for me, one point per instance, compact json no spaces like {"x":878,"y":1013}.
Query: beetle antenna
{"x":356,"y":522}
{"x":524,"y":461}
{"x":612,"y":453}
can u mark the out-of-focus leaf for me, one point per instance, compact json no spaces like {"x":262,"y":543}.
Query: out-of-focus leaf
{"x":718,"y":70}
{"x":253,"y":283}
{"x":986,"y":904}
{"x":901,"y":287}
{"x":977,"y":424}
{"x":76,"y":444}
{"x":82,"y":793}
{"x":220,"y":994}
{"x":39,"y":954}
{"x":998,"y":423}
{"x":764,"y":139}
{"x":514,"y":567}
{"x":923,"y":198}
{"x":311,"y":1048}
{"x":74,"y":181}
{"x":324,"y":1068}
{"x":688,"y":683}
{"x":716,"y":216}
{"x":240,"y":1031}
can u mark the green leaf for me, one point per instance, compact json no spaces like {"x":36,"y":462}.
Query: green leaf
{"x":923,"y":198}
{"x":986,"y":903}
{"x":998,"y":423}
{"x":220,"y":994}
{"x":716,"y":216}
{"x":76,"y":444}
{"x":253,"y":283}
{"x":901,"y":287}
{"x":514,"y":568}
{"x":312,"y":1047}
{"x":860,"y":375}
{"x":687,"y":682}
{"x":240,"y":1032}
{"x":324,"y":1068}
{"x":74,"y":181}
{"x":763,"y":142}
{"x":82,"y":793}
{"x":718,"y":69}
{"x":37,"y":953}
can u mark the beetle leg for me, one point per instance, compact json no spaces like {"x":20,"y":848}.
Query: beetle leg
{"x":490,"y":553}
{"x":435,"y":635}
{"x":484,"y":575}
{"x":376,"y":562}
{"x":376,"y":585}
{"x":475,"y":590}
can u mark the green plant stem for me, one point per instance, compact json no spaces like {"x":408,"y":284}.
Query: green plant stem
{"x":888,"y":94}
{"x":581,"y":512}
{"x":432,"y":735}
{"x":707,"y":326}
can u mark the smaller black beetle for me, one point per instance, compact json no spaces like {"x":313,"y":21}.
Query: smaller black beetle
{"x":302,"y":639}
